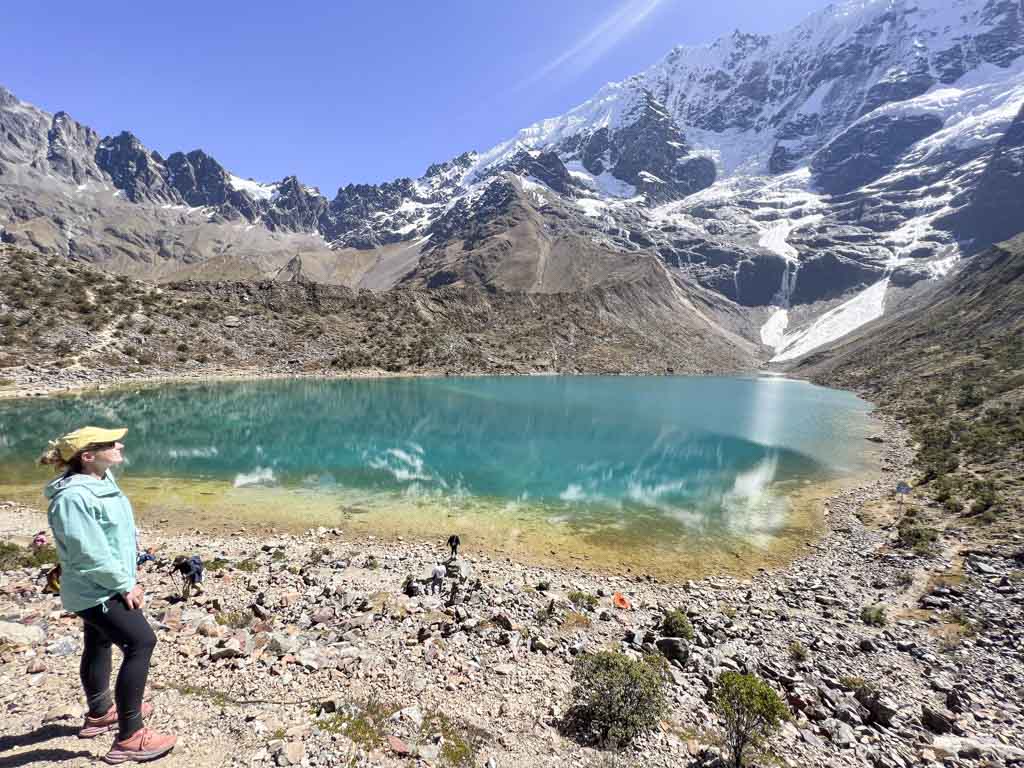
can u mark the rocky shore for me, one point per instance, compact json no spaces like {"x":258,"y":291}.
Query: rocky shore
{"x":320,"y":650}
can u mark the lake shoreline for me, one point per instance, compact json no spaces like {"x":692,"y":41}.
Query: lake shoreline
{"x":92,"y":381}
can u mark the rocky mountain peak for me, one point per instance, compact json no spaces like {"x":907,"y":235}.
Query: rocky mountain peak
{"x":139,"y":173}
{"x":70,"y":149}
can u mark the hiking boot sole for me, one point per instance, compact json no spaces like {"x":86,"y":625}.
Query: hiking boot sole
{"x":116,"y":757}
{"x":96,"y":730}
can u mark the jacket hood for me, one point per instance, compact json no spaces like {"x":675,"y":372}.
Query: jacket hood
{"x":80,"y":483}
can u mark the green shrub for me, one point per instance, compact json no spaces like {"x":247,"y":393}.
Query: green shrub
{"x":873,"y":615}
{"x":920,"y":538}
{"x":371,"y":563}
{"x":234,"y":619}
{"x":12,"y":556}
{"x":676,"y":624}
{"x":248,"y":565}
{"x":583,"y":600}
{"x":853,"y":683}
{"x":953,"y":506}
{"x":798,"y":651}
{"x":750,"y":710}
{"x":543,"y":586}
{"x":216,"y":564}
{"x":616,"y":698}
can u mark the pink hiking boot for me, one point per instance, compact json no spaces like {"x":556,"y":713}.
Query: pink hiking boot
{"x":141,"y":746}
{"x":94,"y":726}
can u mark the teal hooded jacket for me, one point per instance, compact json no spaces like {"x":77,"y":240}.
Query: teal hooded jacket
{"x":94,"y":529}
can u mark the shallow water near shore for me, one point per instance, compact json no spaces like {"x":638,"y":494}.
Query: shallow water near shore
{"x":673,"y":476}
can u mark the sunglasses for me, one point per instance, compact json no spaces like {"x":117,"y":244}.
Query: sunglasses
{"x":96,"y":447}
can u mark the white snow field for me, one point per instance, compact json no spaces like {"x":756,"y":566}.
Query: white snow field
{"x":866,"y":306}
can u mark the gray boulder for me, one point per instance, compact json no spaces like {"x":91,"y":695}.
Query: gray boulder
{"x":14,"y":633}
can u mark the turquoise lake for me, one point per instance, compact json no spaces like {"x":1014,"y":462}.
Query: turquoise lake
{"x":615,"y":469}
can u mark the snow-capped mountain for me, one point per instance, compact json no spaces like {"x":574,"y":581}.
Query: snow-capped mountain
{"x":812,"y":173}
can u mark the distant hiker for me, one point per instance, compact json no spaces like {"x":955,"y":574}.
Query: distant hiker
{"x":437,"y":575}
{"x":453,"y":544}
{"x":52,"y":581}
{"x":94,"y":531}
{"x":191,"y":571}
{"x":149,"y":556}
{"x":453,"y":595}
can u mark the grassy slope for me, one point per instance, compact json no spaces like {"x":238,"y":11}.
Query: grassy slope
{"x":951,"y":363}
{"x":56,"y":314}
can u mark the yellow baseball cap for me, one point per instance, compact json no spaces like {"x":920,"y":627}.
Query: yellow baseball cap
{"x":75,"y":441}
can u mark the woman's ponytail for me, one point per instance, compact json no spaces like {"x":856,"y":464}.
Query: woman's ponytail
{"x":51,"y":458}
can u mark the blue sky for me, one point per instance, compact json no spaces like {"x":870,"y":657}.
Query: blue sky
{"x":338,"y":92}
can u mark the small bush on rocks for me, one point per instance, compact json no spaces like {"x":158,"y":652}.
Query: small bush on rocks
{"x":798,"y":651}
{"x":12,"y":556}
{"x":234,"y":619}
{"x":750,"y":710}
{"x":248,"y":565}
{"x":853,"y":683}
{"x":616,"y":698}
{"x":873,"y":615}
{"x":676,"y":624}
{"x":918,"y":537}
{"x":583,"y":600}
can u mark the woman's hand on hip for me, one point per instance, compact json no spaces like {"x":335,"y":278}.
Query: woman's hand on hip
{"x":136,"y":598}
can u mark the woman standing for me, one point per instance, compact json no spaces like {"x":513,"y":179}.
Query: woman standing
{"x":94,"y":530}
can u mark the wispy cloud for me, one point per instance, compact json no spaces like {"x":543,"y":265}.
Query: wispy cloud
{"x":588,"y":49}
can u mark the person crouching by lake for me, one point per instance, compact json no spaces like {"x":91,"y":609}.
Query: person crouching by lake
{"x":94,"y":532}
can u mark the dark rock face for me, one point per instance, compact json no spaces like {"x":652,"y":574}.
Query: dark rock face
{"x":907,"y":275}
{"x":868,"y":150}
{"x":1003,"y":43}
{"x":759,"y":279}
{"x":135,"y":170}
{"x":994,"y":210}
{"x":469,"y":223}
{"x":900,"y":87}
{"x":830,"y":276}
{"x":648,"y":152}
{"x":70,"y":147}
{"x":297,"y":208}
{"x":199,"y":179}
{"x":546,"y":167}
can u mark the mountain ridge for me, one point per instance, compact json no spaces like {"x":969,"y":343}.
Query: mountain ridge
{"x":874,"y":142}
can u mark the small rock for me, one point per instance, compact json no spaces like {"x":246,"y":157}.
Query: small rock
{"x":674,"y":649}
{"x":937,"y":720}
{"x":398,"y":746}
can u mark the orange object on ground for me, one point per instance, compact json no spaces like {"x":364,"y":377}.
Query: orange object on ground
{"x":619,"y":600}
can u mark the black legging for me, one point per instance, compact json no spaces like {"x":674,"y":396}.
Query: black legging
{"x":129,"y":630}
